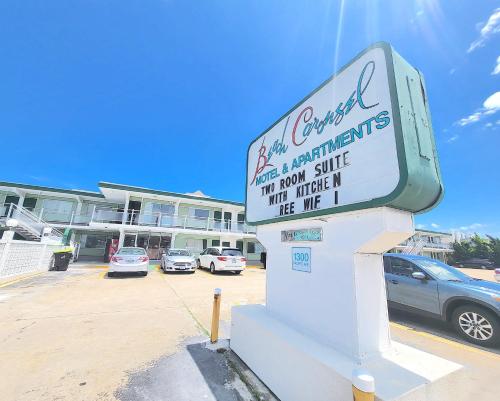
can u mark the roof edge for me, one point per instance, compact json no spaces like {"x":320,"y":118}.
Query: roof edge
{"x":422,"y":230}
{"x":132,"y":188}
{"x":52,"y":189}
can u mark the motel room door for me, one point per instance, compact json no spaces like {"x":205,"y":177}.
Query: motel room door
{"x":158,"y":244}
{"x":155,"y":244}
{"x":130,"y":239}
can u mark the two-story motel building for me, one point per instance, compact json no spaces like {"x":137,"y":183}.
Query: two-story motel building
{"x":135,"y":216}
{"x":158,"y":220}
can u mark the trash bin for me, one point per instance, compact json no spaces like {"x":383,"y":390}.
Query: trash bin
{"x":61,"y":260}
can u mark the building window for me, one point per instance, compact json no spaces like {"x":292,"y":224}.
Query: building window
{"x":194,"y":245}
{"x":29,"y":203}
{"x":163,"y":208}
{"x":251,"y":247}
{"x":95,"y":241}
{"x":239,"y":245}
{"x":57,"y":210}
{"x":215,"y":242}
{"x":227,"y":244}
{"x":200,"y":213}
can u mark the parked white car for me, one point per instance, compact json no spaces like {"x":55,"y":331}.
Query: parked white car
{"x":222,"y":259}
{"x":497,"y":274}
{"x":178,"y":260}
{"x":129,"y":260}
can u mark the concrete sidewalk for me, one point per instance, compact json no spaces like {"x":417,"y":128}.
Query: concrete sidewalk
{"x":196,"y":372}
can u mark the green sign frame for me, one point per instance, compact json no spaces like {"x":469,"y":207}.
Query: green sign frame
{"x":420,"y":186}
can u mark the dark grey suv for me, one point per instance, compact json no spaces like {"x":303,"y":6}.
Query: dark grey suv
{"x":432,"y":288}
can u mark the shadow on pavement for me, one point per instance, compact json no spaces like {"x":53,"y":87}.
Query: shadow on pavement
{"x":194,"y":373}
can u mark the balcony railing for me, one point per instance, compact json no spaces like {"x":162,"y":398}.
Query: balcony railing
{"x":136,"y":218}
{"x":28,"y":223}
{"x":428,"y":244}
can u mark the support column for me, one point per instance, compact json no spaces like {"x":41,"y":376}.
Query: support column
{"x":121,"y":238}
{"x":125,"y":209}
{"x":21,"y":200}
{"x":6,"y":240}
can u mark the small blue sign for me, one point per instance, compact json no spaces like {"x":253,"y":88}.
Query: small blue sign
{"x":301,"y":259}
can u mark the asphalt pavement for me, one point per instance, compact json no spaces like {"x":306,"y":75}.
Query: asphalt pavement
{"x":79,"y":335}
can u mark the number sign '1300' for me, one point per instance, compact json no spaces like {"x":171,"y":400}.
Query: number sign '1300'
{"x":301,"y":259}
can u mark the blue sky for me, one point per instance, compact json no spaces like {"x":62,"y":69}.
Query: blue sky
{"x":168,"y":94}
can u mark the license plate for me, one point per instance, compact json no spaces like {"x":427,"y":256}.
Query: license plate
{"x":129,"y":260}
{"x":233,"y":260}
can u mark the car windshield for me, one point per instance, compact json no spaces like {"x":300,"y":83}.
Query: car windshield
{"x":231,"y":252}
{"x":179,"y":252}
{"x":442,"y":271}
{"x":131,"y":251}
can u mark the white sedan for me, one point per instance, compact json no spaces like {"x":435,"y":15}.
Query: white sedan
{"x":129,"y":260}
{"x":178,"y":260}
{"x":222,"y":259}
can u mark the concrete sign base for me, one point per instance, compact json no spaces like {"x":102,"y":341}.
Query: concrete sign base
{"x":326,"y":313}
{"x":297,"y":368}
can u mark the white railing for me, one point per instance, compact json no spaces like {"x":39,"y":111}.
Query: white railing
{"x":418,"y":244}
{"x":134,"y":217}
{"x":29,"y":221}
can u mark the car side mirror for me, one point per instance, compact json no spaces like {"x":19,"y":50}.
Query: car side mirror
{"x":418,"y":275}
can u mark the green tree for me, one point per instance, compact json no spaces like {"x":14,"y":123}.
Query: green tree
{"x":495,"y":249}
{"x":480,"y":247}
{"x":462,"y":250}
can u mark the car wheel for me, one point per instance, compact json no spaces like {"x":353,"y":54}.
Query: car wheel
{"x":111,"y":274}
{"x":198,"y":264}
{"x":477,"y":325}
{"x":212,"y":268}
{"x":237,"y":272}
{"x":144,"y":274}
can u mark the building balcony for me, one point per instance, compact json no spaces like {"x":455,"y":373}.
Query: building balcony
{"x":426,"y":245}
{"x":135,"y":219}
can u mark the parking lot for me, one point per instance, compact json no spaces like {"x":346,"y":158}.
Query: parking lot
{"x":79,"y":335}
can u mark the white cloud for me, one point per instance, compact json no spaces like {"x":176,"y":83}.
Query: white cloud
{"x":420,"y":226}
{"x":418,"y":14}
{"x":462,"y":232}
{"x":473,"y":226}
{"x":434,"y":225}
{"x":489,"y":29}
{"x":490,"y":106}
{"x":452,"y":139}
{"x":496,"y":70}
{"x":493,"y":102}
{"x":452,"y":71}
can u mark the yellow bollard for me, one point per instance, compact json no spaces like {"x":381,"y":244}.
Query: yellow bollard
{"x":361,"y":395}
{"x":363,"y":386}
{"x":214,"y":334}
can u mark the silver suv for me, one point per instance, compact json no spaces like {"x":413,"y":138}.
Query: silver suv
{"x":432,"y":288}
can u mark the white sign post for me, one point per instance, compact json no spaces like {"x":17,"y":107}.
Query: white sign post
{"x":333,"y":185}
